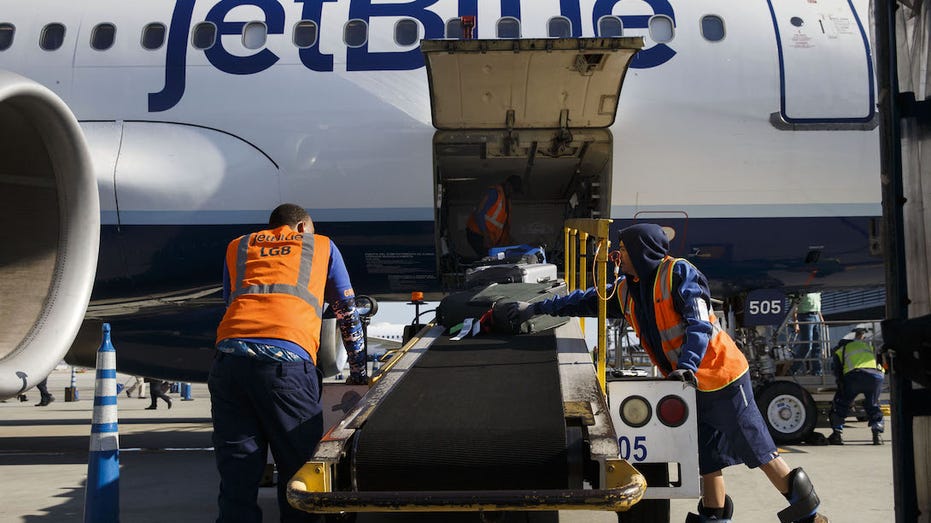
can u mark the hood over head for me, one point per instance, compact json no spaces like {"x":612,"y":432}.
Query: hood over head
{"x":647,"y":245}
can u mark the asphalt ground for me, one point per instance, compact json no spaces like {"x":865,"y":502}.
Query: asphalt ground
{"x":167,"y":471}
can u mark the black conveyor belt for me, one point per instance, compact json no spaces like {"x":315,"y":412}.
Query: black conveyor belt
{"x":483,"y":413}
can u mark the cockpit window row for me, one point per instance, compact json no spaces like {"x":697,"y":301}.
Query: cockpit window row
{"x":407,"y":32}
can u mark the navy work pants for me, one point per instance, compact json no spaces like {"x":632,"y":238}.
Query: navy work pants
{"x":256,"y":404}
{"x":858,"y":382}
{"x":809,"y":337}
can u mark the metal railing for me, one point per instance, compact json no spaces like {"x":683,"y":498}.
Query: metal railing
{"x":577,"y":234}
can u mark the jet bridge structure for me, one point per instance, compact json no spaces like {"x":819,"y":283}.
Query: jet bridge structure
{"x":903,"y":53}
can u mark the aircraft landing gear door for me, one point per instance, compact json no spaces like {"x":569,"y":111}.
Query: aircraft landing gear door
{"x":536,"y":108}
{"x":825,"y":67}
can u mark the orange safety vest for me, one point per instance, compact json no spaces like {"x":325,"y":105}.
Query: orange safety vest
{"x":496,"y":219}
{"x":277,"y":278}
{"x":723,"y":362}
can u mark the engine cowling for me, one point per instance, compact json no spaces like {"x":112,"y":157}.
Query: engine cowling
{"x":49,"y":231}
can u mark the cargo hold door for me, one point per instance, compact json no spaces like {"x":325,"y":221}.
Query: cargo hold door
{"x":526,"y":84}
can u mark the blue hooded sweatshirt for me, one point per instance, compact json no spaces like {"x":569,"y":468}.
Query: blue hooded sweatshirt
{"x":647,"y":245}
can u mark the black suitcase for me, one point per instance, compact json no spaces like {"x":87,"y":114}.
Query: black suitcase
{"x":458,"y":306}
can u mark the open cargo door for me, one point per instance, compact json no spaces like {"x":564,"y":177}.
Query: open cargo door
{"x":536,"y":108}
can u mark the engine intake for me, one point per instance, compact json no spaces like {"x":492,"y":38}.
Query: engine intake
{"x":49,"y":230}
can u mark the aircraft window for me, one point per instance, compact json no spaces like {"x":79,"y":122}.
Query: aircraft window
{"x":102,"y":36}
{"x":153,"y":36}
{"x":305,"y":34}
{"x":355,"y":33}
{"x":6,"y":36}
{"x":559,"y":27}
{"x":712,"y":28}
{"x":406,"y":32}
{"x":53,"y":36}
{"x":661,"y":30}
{"x":454,"y":28}
{"x":610,"y":27}
{"x":254,"y":35}
{"x":508,"y":27}
{"x":205,"y":35}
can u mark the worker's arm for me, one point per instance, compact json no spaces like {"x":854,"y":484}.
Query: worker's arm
{"x":837,"y":366}
{"x":578,"y":303}
{"x":692,"y":300}
{"x":339,"y":294}
{"x":491,"y":196}
{"x":226,"y":284}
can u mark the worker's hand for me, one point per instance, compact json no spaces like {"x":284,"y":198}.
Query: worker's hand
{"x":357,"y":379}
{"x":684,"y":375}
{"x":518,"y":311}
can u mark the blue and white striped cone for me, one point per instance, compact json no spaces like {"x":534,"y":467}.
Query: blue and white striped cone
{"x":102,"y":494}
{"x":186,"y":392}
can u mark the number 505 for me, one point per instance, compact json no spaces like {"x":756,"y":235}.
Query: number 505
{"x":765,"y":307}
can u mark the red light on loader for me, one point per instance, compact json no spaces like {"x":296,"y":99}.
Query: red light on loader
{"x":672,"y":411}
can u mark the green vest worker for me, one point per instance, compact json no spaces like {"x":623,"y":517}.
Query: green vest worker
{"x":856,"y":372}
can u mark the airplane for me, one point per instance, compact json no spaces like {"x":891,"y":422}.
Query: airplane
{"x":137,"y":142}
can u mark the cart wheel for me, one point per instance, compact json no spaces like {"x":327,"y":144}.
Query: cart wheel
{"x":788,"y":409}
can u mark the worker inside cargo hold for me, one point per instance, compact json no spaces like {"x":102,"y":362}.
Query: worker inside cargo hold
{"x":489,"y":223}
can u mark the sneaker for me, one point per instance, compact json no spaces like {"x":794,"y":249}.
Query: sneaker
{"x":835,"y":439}
{"x":128,"y":394}
{"x":877,"y":438}
{"x":151,"y":407}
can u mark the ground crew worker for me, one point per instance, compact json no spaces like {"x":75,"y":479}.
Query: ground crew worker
{"x":808,"y":324}
{"x":45,"y":397}
{"x":490,"y":223}
{"x":667,"y":302}
{"x":264,"y":385}
{"x":856,"y":372}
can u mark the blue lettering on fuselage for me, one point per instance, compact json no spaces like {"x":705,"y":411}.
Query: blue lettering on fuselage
{"x":653,"y":56}
{"x":255,"y":63}
{"x":357,"y":58}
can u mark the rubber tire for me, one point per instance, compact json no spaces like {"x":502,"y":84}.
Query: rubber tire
{"x":769,"y":392}
{"x":649,"y":510}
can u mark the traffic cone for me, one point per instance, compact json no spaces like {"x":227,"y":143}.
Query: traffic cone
{"x":186,"y":392}
{"x":102,"y":492}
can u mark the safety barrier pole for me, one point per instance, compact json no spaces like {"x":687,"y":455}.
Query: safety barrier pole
{"x":600,"y":229}
{"x":71,"y":393}
{"x":102,"y":492}
{"x":186,"y":392}
{"x":583,"y":267}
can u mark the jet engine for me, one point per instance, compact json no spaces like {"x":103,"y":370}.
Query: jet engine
{"x":49,"y":231}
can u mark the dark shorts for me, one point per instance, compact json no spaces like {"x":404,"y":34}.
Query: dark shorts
{"x":731,"y":429}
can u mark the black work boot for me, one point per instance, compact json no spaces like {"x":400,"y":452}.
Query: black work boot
{"x":877,"y":438}
{"x":835,"y":438}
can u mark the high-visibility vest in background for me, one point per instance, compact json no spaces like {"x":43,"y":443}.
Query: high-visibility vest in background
{"x":723,"y":362}
{"x":496,"y":218}
{"x":857,"y":354}
{"x":277,"y":279}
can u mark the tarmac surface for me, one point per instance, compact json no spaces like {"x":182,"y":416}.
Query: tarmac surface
{"x":167,"y":471}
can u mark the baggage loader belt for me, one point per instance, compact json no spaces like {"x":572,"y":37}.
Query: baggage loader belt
{"x":483,"y":413}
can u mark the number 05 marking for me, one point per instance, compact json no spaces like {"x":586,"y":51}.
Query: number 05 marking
{"x":638,"y":449}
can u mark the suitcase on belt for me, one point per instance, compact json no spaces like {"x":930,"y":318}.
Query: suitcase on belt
{"x":510,"y":273}
{"x":474,"y":303}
